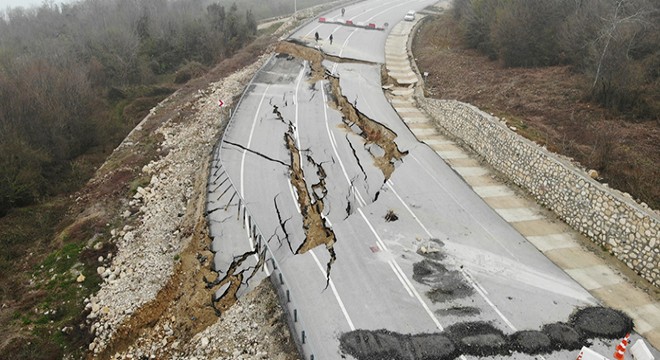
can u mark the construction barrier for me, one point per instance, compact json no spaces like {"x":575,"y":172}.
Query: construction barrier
{"x":640,"y":351}
{"x":362,"y":25}
{"x":588,"y":354}
{"x":620,"y":352}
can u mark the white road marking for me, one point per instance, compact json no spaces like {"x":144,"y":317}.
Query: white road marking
{"x":334,"y":291}
{"x":359,"y":197}
{"x":480,"y":290}
{"x":296,"y":129}
{"x":390,"y":185}
{"x":412,"y":288}
{"x":254,"y":123}
{"x":461,"y":206}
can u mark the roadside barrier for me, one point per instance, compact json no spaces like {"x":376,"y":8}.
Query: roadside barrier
{"x":271,"y":266}
{"x":351,"y":23}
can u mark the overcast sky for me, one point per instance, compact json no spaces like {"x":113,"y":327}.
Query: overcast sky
{"x":24,"y":3}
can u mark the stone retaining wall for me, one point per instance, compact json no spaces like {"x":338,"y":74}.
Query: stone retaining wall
{"x":608,"y":217}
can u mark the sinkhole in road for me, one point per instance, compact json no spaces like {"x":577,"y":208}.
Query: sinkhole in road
{"x":484,"y":339}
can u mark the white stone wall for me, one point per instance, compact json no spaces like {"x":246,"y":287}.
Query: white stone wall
{"x":607,"y":216}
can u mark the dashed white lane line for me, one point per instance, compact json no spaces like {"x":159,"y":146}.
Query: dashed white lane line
{"x":406,"y":281}
{"x":334,"y":148}
{"x":334,"y":291}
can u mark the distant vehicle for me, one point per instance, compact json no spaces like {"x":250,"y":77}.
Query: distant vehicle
{"x":410,"y":16}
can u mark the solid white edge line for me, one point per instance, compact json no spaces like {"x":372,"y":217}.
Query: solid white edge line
{"x":390,"y":185}
{"x":478,"y":288}
{"x":482,"y":292}
{"x":467,"y":212}
{"x":334,"y":291}
{"x":254,"y":123}
{"x":300,"y":76}
{"x":334,"y":148}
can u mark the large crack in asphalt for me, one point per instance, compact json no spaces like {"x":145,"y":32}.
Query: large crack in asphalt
{"x":317,"y":231}
{"x":282,"y":226}
{"x":379,"y":139}
{"x":235,"y":277}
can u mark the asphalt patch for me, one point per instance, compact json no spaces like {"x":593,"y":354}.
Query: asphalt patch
{"x":601,"y":322}
{"x":384,"y":344}
{"x":459,"y":311}
{"x":432,"y":347}
{"x":478,"y":338}
{"x":485,"y":340}
{"x":563,"y":336}
{"x":530,"y":342}
{"x":445,"y":285}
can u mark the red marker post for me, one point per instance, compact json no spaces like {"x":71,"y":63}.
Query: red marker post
{"x":220,"y":103}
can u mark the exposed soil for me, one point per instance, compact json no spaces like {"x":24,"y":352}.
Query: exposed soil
{"x":546,"y":105}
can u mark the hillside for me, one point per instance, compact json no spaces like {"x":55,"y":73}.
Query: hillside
{"x":69,"y":254}
{"x":547,"y":105}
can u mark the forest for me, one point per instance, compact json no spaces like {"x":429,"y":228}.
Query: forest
{"x":615,"y":43}
{"x":74,"y":79}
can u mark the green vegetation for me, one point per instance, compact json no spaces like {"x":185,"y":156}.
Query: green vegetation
{"x":75,"y":78}
{"x":616,"y":44}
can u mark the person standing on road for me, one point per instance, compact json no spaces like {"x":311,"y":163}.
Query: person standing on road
{"x":316,"y":36}
{"x":343,"y":11}
{"x":330,"y":39}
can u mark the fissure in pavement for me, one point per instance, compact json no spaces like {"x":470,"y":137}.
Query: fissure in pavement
{"x":371,"y":131}
{"x":317,"y":231}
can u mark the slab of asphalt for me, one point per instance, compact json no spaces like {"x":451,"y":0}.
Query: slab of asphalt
{"x":556,"y":240}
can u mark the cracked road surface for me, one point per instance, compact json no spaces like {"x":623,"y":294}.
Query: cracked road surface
{"x":316,"y":158}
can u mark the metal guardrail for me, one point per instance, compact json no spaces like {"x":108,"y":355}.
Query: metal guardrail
{"x":277,"y":276}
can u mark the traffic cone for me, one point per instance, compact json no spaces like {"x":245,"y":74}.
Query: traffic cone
{"x":619,"y":354}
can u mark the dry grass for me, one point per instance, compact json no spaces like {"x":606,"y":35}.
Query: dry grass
{"x":548,"y":106}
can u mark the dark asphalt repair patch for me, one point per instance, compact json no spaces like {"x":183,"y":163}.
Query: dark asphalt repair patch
{"x":445,"y":284}
{"x":459,"y":311}
{"x":602,"y":322}
{"x":483,"y":339}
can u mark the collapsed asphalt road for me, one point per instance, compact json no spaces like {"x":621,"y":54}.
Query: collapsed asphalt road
{"x":352,"y":208}
{"x":483,"y":339}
